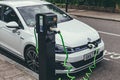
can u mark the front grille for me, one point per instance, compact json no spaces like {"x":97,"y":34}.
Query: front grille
{"x":59,"y":66}
{"x":82,"y":63}
{"x":83,"y":47}
{"x":71,"y":50}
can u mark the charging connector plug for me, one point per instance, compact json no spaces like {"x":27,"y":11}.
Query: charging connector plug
{"x":55,"y":30}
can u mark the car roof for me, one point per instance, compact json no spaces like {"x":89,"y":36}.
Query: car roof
{"x":23,"y":3}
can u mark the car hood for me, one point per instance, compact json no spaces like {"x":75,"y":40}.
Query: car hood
{"x":76,"y":33}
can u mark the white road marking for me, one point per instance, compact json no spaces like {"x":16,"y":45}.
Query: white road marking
{"x":105,"y":52}
{"x":115,"y":56}
{"x":108,"y":53}
{"x":113,"y":34}
{"x":107,"y":59}
{"x":112,"y":55}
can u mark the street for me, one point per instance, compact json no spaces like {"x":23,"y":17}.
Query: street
{"x":109,"y":68}
{"x":109,"y":31}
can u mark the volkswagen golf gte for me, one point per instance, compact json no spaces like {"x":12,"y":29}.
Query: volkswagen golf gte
{"x":17,"y":22}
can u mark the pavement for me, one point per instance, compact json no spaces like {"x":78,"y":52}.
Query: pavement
{"x":10,"y":70}
{"x":95,"y":14}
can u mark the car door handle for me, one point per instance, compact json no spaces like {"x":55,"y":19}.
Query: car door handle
{"x":16,"y":31}
{"x":22,"y":38}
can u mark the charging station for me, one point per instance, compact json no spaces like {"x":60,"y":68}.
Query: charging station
{"x":46,"y":45}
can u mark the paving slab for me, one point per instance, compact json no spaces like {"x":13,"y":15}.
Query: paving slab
{"x":10,"y":70}
{"x":94,"y":14}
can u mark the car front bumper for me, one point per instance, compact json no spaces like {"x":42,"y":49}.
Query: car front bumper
{"x":76,"y":60}
{"x":81,"y":65}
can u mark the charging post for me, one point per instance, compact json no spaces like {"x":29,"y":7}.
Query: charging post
{"x":46,"y":45}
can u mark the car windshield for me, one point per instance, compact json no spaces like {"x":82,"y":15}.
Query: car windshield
{"x":28,"y":13}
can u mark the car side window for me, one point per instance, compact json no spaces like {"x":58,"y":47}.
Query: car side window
{"x":0,"y":12}
{"x":10,"y":15}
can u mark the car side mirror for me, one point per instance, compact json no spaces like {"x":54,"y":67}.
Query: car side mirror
{"x":12,"y":24}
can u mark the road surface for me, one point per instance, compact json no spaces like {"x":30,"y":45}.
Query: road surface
{"x":109,"y":68}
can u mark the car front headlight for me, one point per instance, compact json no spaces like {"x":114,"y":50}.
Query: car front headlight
{"x":60,"y":49}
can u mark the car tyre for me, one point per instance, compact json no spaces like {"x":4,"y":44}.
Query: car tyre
{"x":31,"y":58}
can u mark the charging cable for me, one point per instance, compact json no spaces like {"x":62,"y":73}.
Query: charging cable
{"x":87,"y":75}
{"x":36,"y":39}
{"x":66,"y":52}
{"x":66,"y":59}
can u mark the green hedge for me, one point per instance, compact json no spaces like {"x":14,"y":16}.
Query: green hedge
{"x":118,"y":2}
{"x":99,"y":3}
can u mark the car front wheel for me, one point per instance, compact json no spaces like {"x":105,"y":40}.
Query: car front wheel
{"x":31,"y":58}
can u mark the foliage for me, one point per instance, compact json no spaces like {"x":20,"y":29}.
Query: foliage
{"x":118,"y":2}
{"x":99,"y":3}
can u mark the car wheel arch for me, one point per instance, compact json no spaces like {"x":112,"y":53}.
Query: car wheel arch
{"x":26,"y":47}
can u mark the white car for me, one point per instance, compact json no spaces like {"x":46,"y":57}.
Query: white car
{"x":17,"y":22}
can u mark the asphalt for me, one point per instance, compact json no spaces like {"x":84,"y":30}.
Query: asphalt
{"x":95,"y":14}
{"x":109,"y":31}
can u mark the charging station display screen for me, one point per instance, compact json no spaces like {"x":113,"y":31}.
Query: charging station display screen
{"x":41,"y":23}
